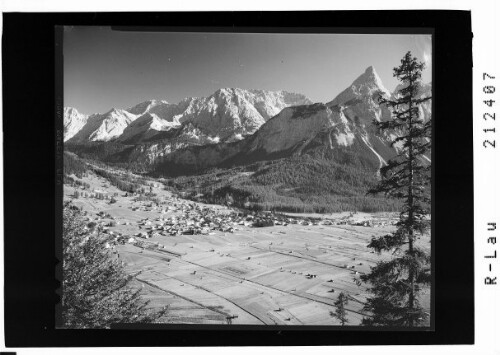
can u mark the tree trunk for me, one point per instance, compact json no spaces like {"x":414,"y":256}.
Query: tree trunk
{"x":411,"y":275}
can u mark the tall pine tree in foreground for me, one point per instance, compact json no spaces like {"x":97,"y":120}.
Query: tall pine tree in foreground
{"x":396,"y":284}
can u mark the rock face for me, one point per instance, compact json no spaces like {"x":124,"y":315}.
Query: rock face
{"x":146,"y":106}
{"x":73,"y":122}
{"x":360,"y":100}
{"x":104,"y":127}
{"x":286,"y":133}
{"x":145,"y":128}
{"x":165,"y":143}
{"x":232,"y":114}
{"x":293,"y":128}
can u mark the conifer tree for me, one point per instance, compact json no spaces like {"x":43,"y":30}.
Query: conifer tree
{"x":396,"y":284}
{"x":340,"y":311}
{"x":96,"y":292}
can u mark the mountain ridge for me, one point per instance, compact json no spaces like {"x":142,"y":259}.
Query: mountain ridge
{"x":213,"y":131}
{"x":229,"y":114}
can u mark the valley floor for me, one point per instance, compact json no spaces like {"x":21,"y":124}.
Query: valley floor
{"x":285,"y":274}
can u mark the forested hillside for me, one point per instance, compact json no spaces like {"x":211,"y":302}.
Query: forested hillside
{"x":300,"y":184}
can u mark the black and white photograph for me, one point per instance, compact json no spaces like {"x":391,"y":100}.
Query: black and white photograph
{"x":263,"y":179}
{"x":277,"y":180}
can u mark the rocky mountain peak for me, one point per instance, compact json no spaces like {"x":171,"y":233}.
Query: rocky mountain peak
{"x":73,"y":122}
{"x":370,"y":81}
{"x":70,"y":111}
{"x":142,"y":107}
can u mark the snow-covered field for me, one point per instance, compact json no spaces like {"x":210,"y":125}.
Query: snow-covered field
{"x":287,"y":274}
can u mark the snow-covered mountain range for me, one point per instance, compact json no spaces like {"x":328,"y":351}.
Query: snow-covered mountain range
{"x":226,"y":115}
{"x":235,"y":126}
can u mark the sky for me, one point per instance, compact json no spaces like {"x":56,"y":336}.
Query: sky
{"x":106,"y":69}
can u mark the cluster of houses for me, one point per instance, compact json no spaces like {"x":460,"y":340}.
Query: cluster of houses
{"x":180,"y":217}
{"x":373,"y":223}
{"x":97,"y":194}
{"x":195,"y":219}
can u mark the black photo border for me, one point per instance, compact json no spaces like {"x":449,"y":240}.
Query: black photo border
{"x":32,"y":94}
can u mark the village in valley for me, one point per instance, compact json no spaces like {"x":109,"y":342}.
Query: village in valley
{"x":215,"y":264}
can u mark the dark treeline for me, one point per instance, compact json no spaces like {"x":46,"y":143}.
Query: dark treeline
{"x":75,"y":183}
{"x":103,"y":151}
{"x":109,"y":153}
{"x":123,"y":182}
{"x":73,"y":165}
{"x":301,"y":184}
{"x":316,"y":176}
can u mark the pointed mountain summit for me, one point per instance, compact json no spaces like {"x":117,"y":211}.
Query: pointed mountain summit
{"x":370,"y":80}
{"x":73,"y":122}
{"x":359,"y":102}
{"x":367,"y":86}
{"x":104,"y":127}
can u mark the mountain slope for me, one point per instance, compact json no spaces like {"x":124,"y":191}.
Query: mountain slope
{"x":105,"y":127}
{"x":282,"y":135}
{"x":232,"y":114}
{"x":144,"y":128}
{"x":73,"y":122}
{"x":314,"y":130}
